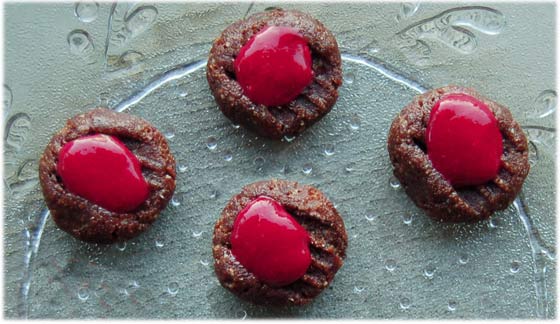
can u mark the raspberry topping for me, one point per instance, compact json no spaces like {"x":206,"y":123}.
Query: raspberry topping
{"x":104,"y":171}
{"x":274,"y":66}
{"x":269,"y":243}
{"x":464,"y":142}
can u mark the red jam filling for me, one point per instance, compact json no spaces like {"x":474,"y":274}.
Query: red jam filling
{"x":102,"y":170}
{"x":274,"y":66}
{"x":269,"y":243}
{"x":463,"y":140}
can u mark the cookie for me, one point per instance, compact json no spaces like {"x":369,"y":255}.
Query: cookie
{"x":120,"y":162}
{"x":314,"y":213}
{"x":450,"y":196}
{"x":308,"y":106}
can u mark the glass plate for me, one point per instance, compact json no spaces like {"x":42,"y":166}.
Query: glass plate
{"x":148,"y":60}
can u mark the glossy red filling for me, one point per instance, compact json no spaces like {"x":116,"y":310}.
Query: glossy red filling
{"x":101,"y":169}
{"x":463,"y":140}
{"x":274,"y":66}
{"x":269,"y":243}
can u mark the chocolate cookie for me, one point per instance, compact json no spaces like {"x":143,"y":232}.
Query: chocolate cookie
{"x":429,"y":189}
{"x":87,"y":220}
{"x":314,"y":212}
{"x":316,"y":99}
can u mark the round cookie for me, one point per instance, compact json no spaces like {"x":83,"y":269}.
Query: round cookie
{"x":90,"y":222}
{"x":428,"y":189}
{"x":315,"y":101}
{"x":314,"y":212}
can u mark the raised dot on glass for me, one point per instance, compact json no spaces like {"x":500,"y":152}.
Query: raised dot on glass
{"x":429,"y":272}
{"x":211,"y":143}
{"x":83,"y":293}
{"x":121,"y":246}
{"x":407,"y":218}
{"x":515,"y":266}
{"x":307,"y":168}
{"x":173,"y":288}
{"x":328,"y":149}
{"x":394,"y":183}
{"x":452,"y":306}
{"x":404,"y":303}
{"x":390,"y":265}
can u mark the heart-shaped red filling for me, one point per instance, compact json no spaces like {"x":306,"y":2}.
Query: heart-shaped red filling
{"x":101,"y":169}
{"x":463,"y":140}
{"x":274,"y":66}
{"x":269,"y":243}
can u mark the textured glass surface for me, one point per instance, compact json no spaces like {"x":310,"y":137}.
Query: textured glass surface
{"x":148,"y":60}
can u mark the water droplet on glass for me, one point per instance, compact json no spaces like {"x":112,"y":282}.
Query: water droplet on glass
{"x":307,"y":168}
{"x":404,"y":303}
{"x":214,"y":193}
{"x":259,"y":162}
{"x":452,"y":306}
{"x":370,"y":216}
{"x":464,"y":258}
{"x":140,"y":19}
{"x":183,"y":94}
{"x":80,"y":42}
{"x":83,"y":293}
{"x":493,"y":223}
{"x":241,"y":314}
{"x":173,"y":288}
{"x":358,"y":290}
{"x":348,"y":77}
{"x":394,"y":183}
{"x":211,"y":143}
{"x":176,"y":201}
{"x":390,"y":265}
{"x":197,"y":234}
{"x":235,"y":126}
{"x":289,"y":138}
{"x":182,"y":168}
{"x":328,"y":149}
{"x":515,"y":266}
{"x":169,"y":133}
{"x":429,"y":272}
{"x":86,"y":11}
{"x":350,"y":167}
{"x":121,"y":246}
{"x":228,"y":156}
{"x":130,"y":288}
{"x":355,"y":122}
{"x":204,"y":263}
{"x":407,"y":218}
{"x":159,"y":242}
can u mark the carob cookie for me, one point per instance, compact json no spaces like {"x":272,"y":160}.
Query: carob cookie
{"x":278,"y":243}
{"x":276,"y":72}
{"x":459,"y":156}
{"x":106,"y":176}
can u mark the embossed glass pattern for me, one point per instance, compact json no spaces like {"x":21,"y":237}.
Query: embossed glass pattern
{"x":148,"y":59}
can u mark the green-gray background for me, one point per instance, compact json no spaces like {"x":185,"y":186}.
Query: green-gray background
{"x":61,"y":59}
